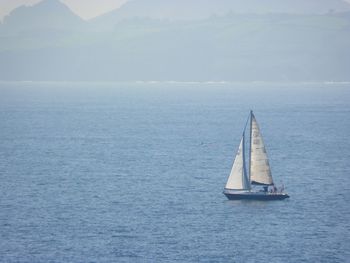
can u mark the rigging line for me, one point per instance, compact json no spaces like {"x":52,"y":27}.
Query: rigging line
{"x":246,"y":123}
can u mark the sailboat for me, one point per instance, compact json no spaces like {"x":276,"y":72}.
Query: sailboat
{"x":243,"y":184}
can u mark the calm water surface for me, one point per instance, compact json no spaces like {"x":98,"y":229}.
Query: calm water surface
{"x":135,"y":173}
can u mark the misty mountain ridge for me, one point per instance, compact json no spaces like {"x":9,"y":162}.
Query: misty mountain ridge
{"x":48,"y":11}
{"x":47,"y":14}
{"x":201,"y":9}
{"x":55,"y":15}
{"x":49,"y":42}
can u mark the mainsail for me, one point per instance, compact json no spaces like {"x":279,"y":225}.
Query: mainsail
{"x":238,"y":179}
{"x":260,"y":172}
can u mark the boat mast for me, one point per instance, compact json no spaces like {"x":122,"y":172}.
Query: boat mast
{"x":250,"y":143}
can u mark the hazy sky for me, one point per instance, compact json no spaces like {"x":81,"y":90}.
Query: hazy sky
{"x":84,"y":8}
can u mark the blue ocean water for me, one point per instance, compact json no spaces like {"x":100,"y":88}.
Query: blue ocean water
{"x":134,"y":172}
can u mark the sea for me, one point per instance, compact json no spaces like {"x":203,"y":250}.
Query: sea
{"x":134,"y":172}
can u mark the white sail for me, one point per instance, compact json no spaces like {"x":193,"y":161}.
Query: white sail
{"x":260,"y":172}
{"x":238,"y":177}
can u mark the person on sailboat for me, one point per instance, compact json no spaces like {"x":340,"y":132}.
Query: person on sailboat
{"x":274,"y":188}
{"x":282,"y":188}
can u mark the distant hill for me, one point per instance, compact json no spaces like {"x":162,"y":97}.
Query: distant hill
{"x":201,"y":9}
{"x":48,"y":42}
{"x":46,"y":15}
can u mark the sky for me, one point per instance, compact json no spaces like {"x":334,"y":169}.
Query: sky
{"x":84,"y":8}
